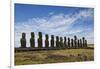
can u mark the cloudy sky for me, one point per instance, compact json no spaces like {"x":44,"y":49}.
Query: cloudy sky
{"x":53,"y":20}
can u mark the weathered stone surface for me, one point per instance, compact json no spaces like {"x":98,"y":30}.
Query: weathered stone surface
{"x":52,"y":41}
{"x":23,"y":40}
{"x":57,"y":42}
{"x":83,"y":41}
{"x":40,"y":40}
{"x":47,"y":41}
{"x":80,"y":43}
{"x":65,"y":42}
{"x":72,"y":43}
{"x":75,"y":41}
{"x":61,"y":42}
{"x":32,"y":40}
{"x":68,"y":42}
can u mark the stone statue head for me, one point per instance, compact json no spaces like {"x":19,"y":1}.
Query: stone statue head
{"x":23,"y":35}
{"x":32,"y":34}
{"x":40,"y":34}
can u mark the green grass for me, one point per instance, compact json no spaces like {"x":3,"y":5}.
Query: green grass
{"x":54,"y":56}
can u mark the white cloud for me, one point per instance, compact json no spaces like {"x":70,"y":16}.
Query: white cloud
{"x":51,"y":13}
{"x":59,"y":24}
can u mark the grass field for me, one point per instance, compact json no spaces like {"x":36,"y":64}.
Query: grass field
{"x":53,"y":56}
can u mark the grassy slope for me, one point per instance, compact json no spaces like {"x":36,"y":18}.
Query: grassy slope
{"x":54,"y":56}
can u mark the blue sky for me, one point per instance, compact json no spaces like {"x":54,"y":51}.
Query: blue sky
{"x":56,"y":20}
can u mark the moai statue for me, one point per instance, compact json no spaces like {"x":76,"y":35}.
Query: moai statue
{"x":72,"y":43}
{"x":32,"y":40}
{"x":83,"y":42}
{"x":57,"y":42}
{"x":52,"y":41}
{"x":23,"y":40}
{"x":68,"y":42}
{"x":40,"y":40}
{"x":75,"y":41}
{"x":65,"y":42}
{"x":80,"y":43}
{"x":61,"y":42}
{"x":47,"y":41}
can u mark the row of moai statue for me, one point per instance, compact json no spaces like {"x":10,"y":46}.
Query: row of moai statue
{"x":59,"y":43}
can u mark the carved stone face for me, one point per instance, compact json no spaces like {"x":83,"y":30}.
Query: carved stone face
{"x":57,"y":38}
{"x":61,"y":39}
{"x":52,"y":36}
{"x":23,"y":35}
{"x":83,"y":38}
{"x":68,"y":38}
{"x":72,"y":40}
{"x":65,"y":38}
{"x":46,"y":36}
{"x":75,"y":37}
{"x":32,"y":34}
{"x":40,"y":34}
